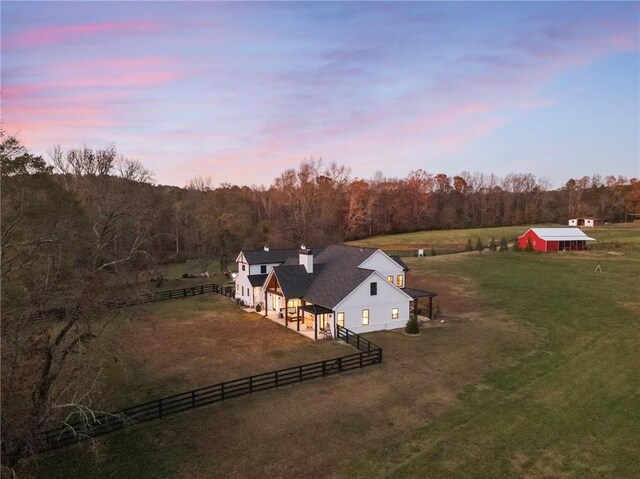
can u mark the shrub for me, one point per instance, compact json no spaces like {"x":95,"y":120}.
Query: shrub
{"x":258,"y":308}
{"x":413,"y":327}
{"x":469,"y":245}
{"x":529,"y":246}
{"x":503,"y":244}
{"x":479,"y":245}
{"x":492,"y":245}
{"x":516,"y":246}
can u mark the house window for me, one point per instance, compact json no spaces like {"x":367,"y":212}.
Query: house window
{"x":390,"y":278}
{"x":263,"y":269}
{"x":394,"y":313}
{"x":341,"y":320}
{"x":243,"y":291}
{"x":365,"y":317}
{"x":242,"y":267}
{"x":374,"y":288}
{"x":237,"y":288}
{"x":400,"y":281}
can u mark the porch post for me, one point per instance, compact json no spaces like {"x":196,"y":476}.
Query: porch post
{"x":298,"y":325}
{"x":286,"y":313}
{"x":266,"y":302}
{"x":315,"y":326}
{"x":430,"y":307}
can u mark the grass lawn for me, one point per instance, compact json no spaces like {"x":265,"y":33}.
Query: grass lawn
{"x":534,"y":373}
{"x":179,"y":345}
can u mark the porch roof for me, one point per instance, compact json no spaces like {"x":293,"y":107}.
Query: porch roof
{"x":419,"y":293}
{"x":257,"y":279}
{"x":315,"y":309}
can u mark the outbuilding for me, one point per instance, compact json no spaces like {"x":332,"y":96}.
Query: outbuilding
{"x":583,"y":222}
{"x":555,"y":239}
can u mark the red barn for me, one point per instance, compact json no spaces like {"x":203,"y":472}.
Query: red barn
{"x":555,"y":239}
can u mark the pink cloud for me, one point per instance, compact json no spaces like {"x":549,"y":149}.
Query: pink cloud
{"x":61,"y":34}
{"x":536,"y":103}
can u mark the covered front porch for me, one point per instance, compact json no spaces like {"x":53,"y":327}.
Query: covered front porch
{"x":310,"y":320}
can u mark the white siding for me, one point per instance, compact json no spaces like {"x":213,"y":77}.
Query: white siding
{"x":380,"y":306}
{"x":384,"y":265}
{"x":243,"y":285}
{"x":256,"y":268}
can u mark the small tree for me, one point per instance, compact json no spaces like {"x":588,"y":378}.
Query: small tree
{"x":469,"y":245}
{"x":516,"y":246}
{"x":479,"y":245}
{"x":503,"y":244}
{"x":493,"y":245}
{"x":529,"y":246}
{"x":413,"y":326}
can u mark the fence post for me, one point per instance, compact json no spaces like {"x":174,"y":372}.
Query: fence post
{"x":160,"y":407}
{"x":222,"y":391}
{"x":202,"y":289}
{"x":300,"y":372}
{"x":276,"y":378}
{"x":184,"y":293}
{"x":347,"y":336}
{"x":250,"y":384}
{"x":340,"y":363}
{"x":358,"y":341}
{"x":193,"y":399}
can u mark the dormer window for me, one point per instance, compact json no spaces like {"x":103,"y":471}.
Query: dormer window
{"x":373,"y":288}
{"x":263,"y":269}
{"x":242,"y":267}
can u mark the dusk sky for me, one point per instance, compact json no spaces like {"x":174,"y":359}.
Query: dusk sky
{"x":242,"y":91}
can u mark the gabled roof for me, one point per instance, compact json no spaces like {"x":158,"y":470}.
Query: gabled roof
{"x":560,"y":234}
{"x":398,"y":260}
{"x":272,"y":256}
{"x":294,"y":279}
{"x":257,"y":279}
{"x":339,"y":274}
{"x":336,"y":273}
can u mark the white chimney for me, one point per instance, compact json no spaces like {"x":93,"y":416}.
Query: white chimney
{"x":305,"y":257}
{"x":266,"y":248}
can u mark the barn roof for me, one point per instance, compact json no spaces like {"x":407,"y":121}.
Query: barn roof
{"x":560,"y":234}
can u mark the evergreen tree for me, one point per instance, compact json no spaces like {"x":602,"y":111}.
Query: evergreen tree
{"x":503,"y":244}
{"x":413,"y":326}
{"x":492,"y":245}
{"x":469,"y":245}
{"x":479,"y":245}
{"x":529,"y":246}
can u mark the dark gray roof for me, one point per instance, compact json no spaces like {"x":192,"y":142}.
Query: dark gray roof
{"x":294,"y":279}
{"x":398,"y":260}
{"x":261,"y":256}
{"x":418,"y":293}
{"x":257,"y":279}
{"x":338,"y":274}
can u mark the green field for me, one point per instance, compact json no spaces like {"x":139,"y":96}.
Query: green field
{"x":534,"y":373}
{"x":457,"y":239}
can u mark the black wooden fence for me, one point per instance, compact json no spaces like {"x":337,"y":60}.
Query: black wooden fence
{"x":368,"y":354}
{"x":152,"y":297}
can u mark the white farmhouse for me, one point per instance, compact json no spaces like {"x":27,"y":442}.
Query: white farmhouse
{"x":361,"y":289}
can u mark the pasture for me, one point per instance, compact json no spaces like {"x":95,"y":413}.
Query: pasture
{"x":534,"y":373}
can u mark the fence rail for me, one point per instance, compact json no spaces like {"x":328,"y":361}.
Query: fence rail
{"x":153,"y":297}
{"x":368,"y":354}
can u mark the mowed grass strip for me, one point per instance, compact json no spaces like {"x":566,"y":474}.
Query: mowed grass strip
{"x":569,"y":407}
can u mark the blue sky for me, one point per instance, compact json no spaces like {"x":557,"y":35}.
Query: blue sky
{"x":242,"y":91}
